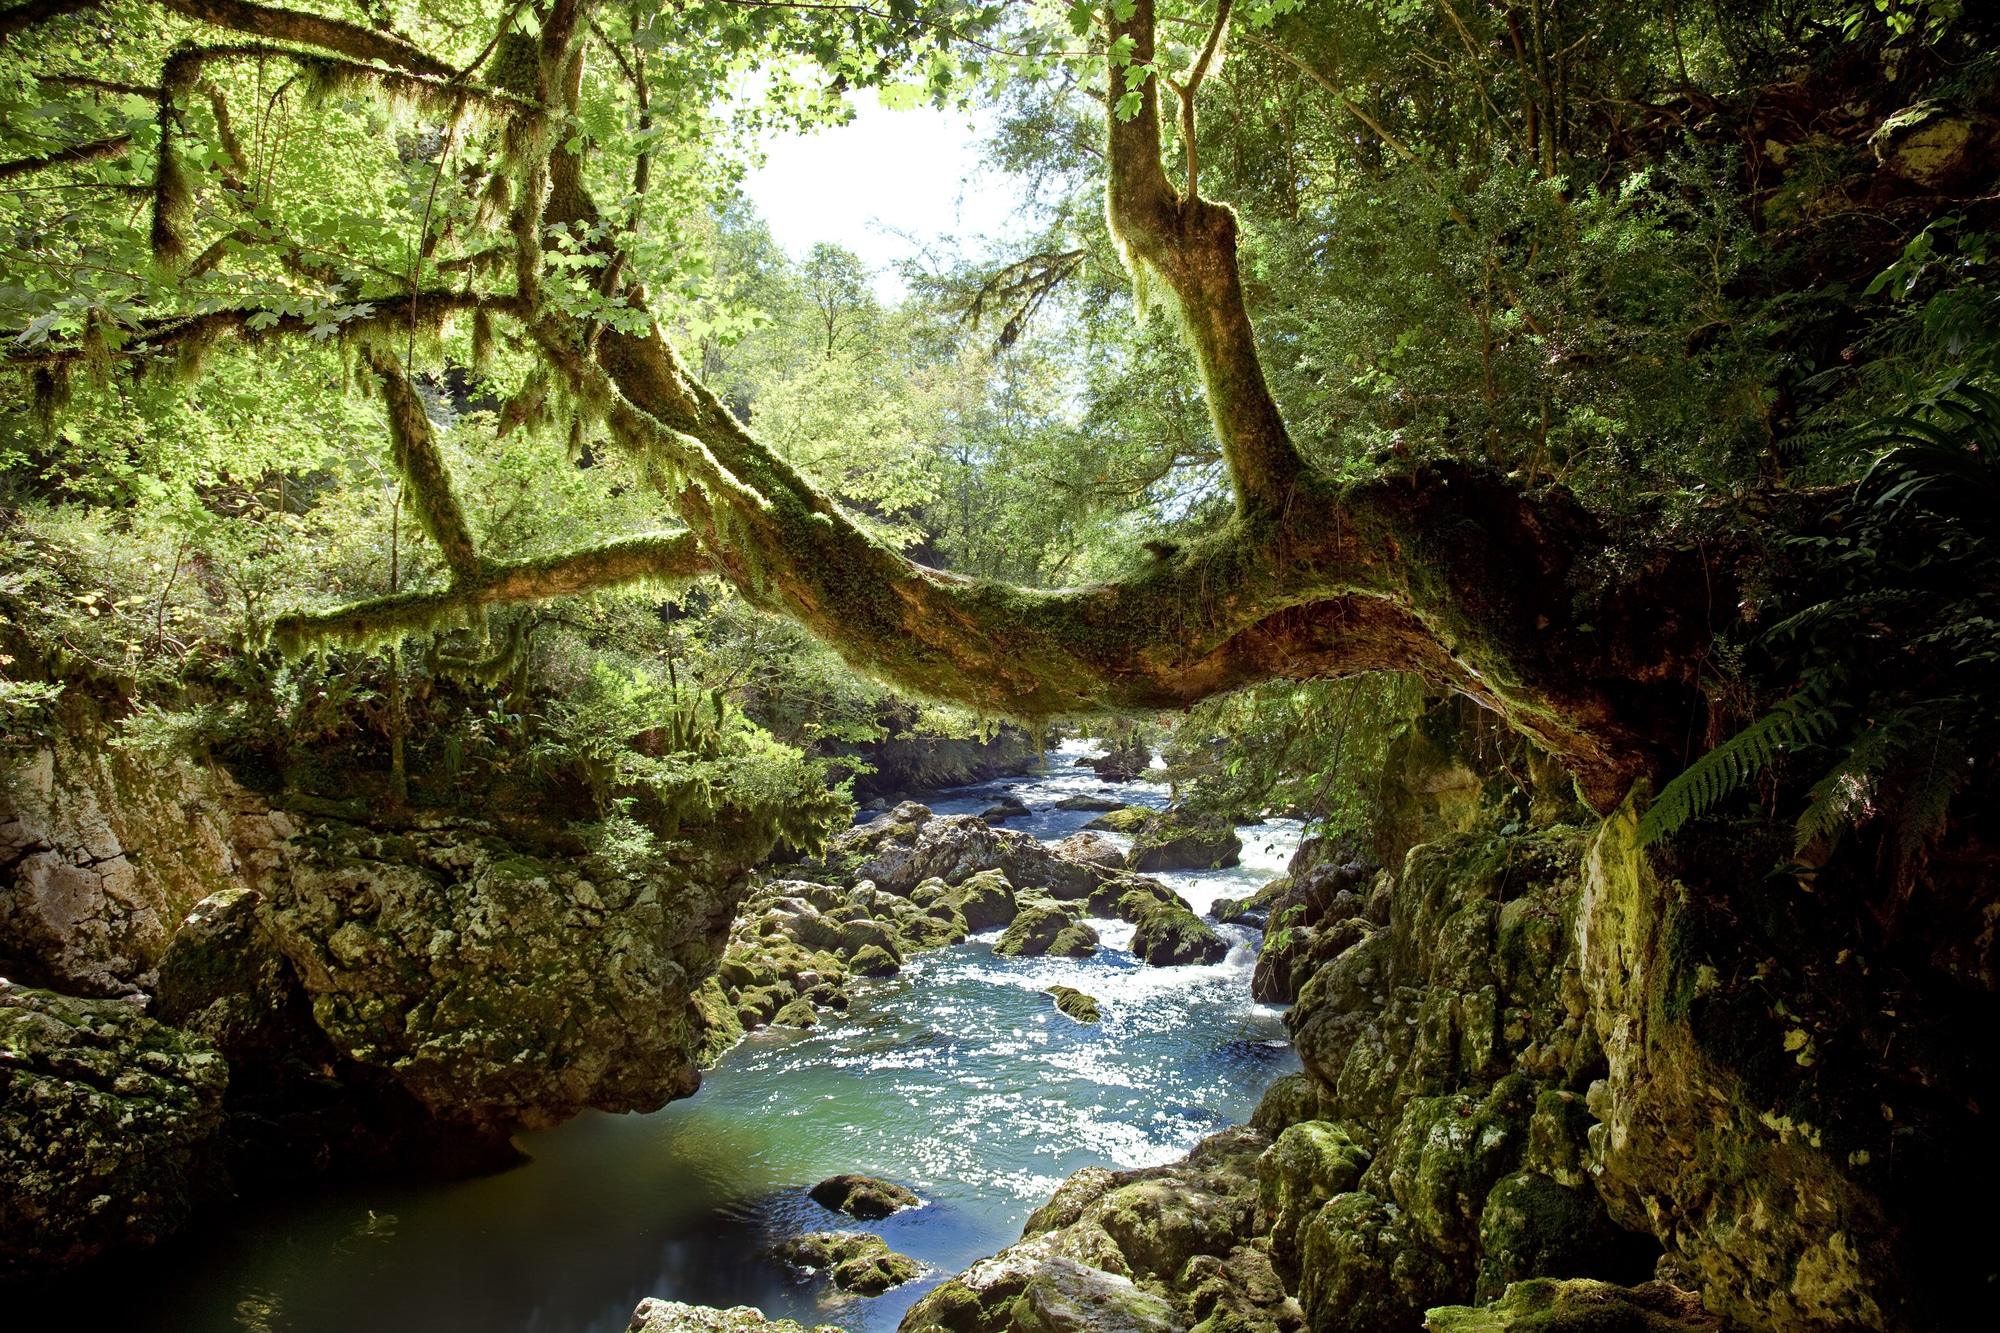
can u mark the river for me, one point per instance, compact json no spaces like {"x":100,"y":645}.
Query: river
{"x":957,"y":1078}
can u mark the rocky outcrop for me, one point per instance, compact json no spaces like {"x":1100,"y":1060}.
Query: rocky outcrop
{"x":903,"y":848}
{"x":1546,"y":1305}
{"x":657,"y":1316}
{"x":103,"y":852}
{"x":1047,"y":927}
{"x":110,"y":1127}
{"x":1181,"y":840}
{"x":866,"y":1197}
{"x":1159,"y":1249}
{"x":853,"y":1260}
{"x":1166,"y":935}
{"x":1073,"y":1003}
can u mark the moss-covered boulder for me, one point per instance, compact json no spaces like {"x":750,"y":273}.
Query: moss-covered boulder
{"x":910,"y":844}
{"x":1534,"y":1227}
{"x":657,"y":1316}
{"x":876,"y":960}
{"x":1075,"y":1004}
{"x":1047,"y":928}
{"x":1546,"y":1305}
{"x":109,"y":1127}
{"x":869,"y":1198}
{"x":1124,"y":819}
{"x":1168,"y":936}
{"x":1310,"y":1163}
{"x":499,"y":988}
{"x":856,"y":1261}
{"x":1181,"y":840}
{"x":1090,"y":803}
{"x":1030,"y":1289}
{"x":1128,"y":897}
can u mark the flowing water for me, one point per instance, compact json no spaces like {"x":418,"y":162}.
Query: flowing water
{"x":957,"y":1078}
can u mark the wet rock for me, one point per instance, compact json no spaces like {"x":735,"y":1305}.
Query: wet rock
{"x":798,"y":1014}
{"x":1175,"y":937}
{"x":1310,"y":1163}
{"x":1046,"y":928}
{"x":500,"y":989}
{"x":1178,"y":840}
{"x":855,"y":1260}
{"x":1546,"y":1305}
{"x":983,"y":901}
{"x":1128,"y":897}
{"x":873,"y":960}
{"x":1007,"y":807}
{"x":1254,"y":910}
{"x":1098,"y":803}
{"x":109,"y":1127}
{"x":909,"y":845}
{"x":1125,"y":819}
{"x":1092,"y":849}
{"x":1073,"y":1002}
{"x":1029,"y":1289}
{"x":657,"y":1316}
{"x":933,"y":931}
{"x":866,"y":1197}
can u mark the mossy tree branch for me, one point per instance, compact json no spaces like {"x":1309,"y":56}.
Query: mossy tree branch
{"x":1452,"y":572}
{"x":289,"y":25}
{"x":669,"y":561}
{"x":423,"y":470}
{"x":95,"y":150}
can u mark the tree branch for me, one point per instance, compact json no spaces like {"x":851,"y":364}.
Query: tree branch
{"x":287,"y":25}
{"x":658,"y":561}
{"x":115,"y":146}
{"x":1190,"y":243}
{"x":423,"y":470}
{"x":22,"y":17}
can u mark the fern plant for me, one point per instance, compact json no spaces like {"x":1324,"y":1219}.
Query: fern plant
{"x":1893,"y":662}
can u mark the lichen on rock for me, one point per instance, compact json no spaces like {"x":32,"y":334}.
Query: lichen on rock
{"x":109,"y":1127}
{"x":657,"y":1316}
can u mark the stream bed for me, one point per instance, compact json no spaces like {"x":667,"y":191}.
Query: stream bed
{"x":957,"y":1078}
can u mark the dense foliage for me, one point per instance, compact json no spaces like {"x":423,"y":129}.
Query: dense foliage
{"x":1671,"y":259}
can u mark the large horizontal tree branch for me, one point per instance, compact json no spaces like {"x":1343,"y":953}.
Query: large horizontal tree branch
{"x":19,"y":18}
{"x":169,"y":331}
{"x":96,"y":149}
{"x":666,"y":561}
{"x":289,"y":25}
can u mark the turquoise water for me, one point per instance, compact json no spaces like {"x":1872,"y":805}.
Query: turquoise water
{"x":957,"y":1078}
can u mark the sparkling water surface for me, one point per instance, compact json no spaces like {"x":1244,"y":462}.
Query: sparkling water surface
{"x":957,"y":1078}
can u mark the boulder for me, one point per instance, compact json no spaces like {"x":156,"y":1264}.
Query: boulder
{"x":1074,"y":1003}
{"x":983,"y":901}
{"x":1128,"y":897}
{"x":1123,"y":764}
{"x":1178,"y":840}
{"x":1030,"y":1289}
{"x":1254,"y":910}
{"x":909,"y":845}
{"x":876,"y":961}
{"x":1549,"y":1305}
{"x":798,"y":1014}
{"x":657,"y":1316}
{"x":1125,"y":819}
{"x":500,"y":989}
{"x":855,"y":1260}
{"x":1096,"y":803}
{"x":1046,"y":928}
{"x":109,"y":1127}
{"x":1168,"y":936}
{"x":866,"y":1197}
{"x":1092,"y":849}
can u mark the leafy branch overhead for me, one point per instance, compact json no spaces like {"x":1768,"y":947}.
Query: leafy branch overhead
{"x":482,"y":184}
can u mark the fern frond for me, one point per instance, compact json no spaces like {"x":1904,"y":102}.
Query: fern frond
{"x":1797,"y":722}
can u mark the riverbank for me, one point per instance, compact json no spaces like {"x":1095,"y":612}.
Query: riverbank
{"x":958,"y":1077}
